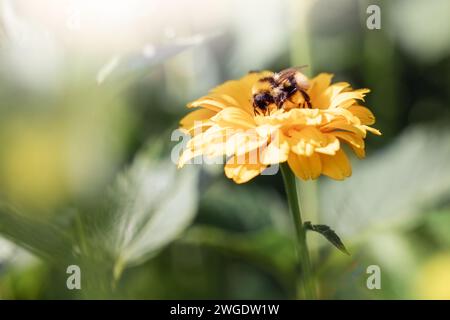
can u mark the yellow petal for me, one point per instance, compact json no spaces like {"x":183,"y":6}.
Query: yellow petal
{"x":199,"y":127}
{"x":208,"y":103}
{"x":360,"y":152}
{"x":336,"y":113}
{"x":347,"y":104}
{"x":319,"y":84}
{"x":224,"y":99}
{"x":199,"y":115}
{"x":234,"y":118}
{"x":186,"y":156}
{"x":372,"y":130}
{"x":210,"y":143}
{"x":305,"y":168}
{"x":345,"y":96}
{"x":241,"y":90}
{"x":277,"y":151}
{"x":292,"y":117}
{"x":350,"y":137}
{"x":309,"y":140}
{"x":242,"y":171}
{"x":231,"y":142}
{"x":331,"y":146}
{"x":244,"y":142}
{"x":343,"y":125}
{"x":337,"y":167}
{"x":336,"y":88}
{"x":364,"y":114}
{"x":355,"y":142}
{"x":305,"y":141}
{"x":325,"y":98}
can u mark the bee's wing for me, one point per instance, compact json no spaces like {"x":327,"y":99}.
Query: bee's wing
{"x":283,"y":75}
{"x":301,"y":67}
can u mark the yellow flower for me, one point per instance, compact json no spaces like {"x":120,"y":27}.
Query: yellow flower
{"x":309,"y":139}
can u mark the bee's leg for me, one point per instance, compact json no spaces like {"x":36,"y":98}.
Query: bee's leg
{"x":279,"y":103}
{"x":306,"y":97}
{"x":290,"y":100}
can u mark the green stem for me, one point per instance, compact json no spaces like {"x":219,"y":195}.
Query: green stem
{"x":306,"y":283}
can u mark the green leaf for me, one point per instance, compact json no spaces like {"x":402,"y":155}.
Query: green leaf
{"x":149,"y":206}
{"x":328,"y":233}
{"x":392,"y":188}
{"x":139,"y":61}
{"x":39,"y":237}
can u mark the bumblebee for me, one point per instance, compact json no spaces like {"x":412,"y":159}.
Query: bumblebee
{"x":285,"y":89}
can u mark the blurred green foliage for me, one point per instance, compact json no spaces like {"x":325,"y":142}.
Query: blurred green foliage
{"x":86,"y":176}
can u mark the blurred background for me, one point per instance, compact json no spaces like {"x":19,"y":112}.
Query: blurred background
{"x":92,"y":90}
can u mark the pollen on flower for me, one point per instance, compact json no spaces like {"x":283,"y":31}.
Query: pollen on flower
{"x":306,"y":127}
